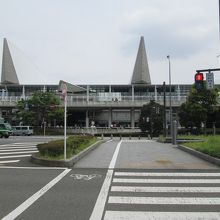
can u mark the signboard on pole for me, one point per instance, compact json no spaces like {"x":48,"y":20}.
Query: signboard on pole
{"x":210,"y":80}
{"x":63,"y":90}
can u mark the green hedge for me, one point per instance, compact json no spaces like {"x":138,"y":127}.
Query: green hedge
{"x":56,"y":148}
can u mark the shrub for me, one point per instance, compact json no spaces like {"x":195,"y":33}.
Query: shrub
{"x":56,"y":148}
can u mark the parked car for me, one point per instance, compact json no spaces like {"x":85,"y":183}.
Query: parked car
{"x":23,"y":130}
{"x":5,"y":130}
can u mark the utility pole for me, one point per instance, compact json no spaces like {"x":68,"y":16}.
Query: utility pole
{"x":171,"y":118}
{"x":164,"y":110}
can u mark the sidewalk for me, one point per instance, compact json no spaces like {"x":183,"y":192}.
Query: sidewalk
{"x":154,"y":155}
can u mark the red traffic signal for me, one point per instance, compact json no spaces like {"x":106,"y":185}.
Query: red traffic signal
{"x":199,"y":85}
{"x":199,"y":77}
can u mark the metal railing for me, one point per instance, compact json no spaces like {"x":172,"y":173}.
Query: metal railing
{"x":93,"y":101}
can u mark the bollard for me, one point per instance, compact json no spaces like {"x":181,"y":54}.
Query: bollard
{"x":102,"y":136}
{"x":148,"y":137}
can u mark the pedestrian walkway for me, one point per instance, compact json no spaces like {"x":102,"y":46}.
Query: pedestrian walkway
{"x":11,"y":153}
{"x":164,"y":195}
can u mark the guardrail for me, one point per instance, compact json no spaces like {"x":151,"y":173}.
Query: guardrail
{"x":96,"y":130}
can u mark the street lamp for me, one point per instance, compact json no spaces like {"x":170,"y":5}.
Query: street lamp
{"x":171,"y":130}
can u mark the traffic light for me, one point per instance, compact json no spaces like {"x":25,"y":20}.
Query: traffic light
{"x":199,"y":83}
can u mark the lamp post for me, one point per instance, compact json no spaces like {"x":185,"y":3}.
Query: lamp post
{"x":64,"y":95}
{"x":171,"y":119}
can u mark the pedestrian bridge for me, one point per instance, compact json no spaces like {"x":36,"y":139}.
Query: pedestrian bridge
{"x":96,"y":101}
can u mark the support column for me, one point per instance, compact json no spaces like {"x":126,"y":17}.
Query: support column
{"x":44,"y":89}
{"x":87,"y":93}
{"x":178,"y":93}
{"x":155,"y":93}
{"x":109,"y":117}
{"x":132,"y":118}
{"x":110,"y":93}
{"x":3,"y":94}
{"x":87,"y":119}
{"x":132,"y":92}
{"x":23,"y":93}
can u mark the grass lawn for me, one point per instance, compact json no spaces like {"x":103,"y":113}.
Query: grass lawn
{"x":210,"y":146}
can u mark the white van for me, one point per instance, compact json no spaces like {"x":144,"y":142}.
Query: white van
{"x":23,"y":130}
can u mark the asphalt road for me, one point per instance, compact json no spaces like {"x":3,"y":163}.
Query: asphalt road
{"x":131,"y":179}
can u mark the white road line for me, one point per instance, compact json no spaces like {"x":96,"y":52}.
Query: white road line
{"x":114,"y":158}
{"x":15,"y":213}
{"x":26,"y":143}
{"x":129,"y":215}
{"x":165,"y":174}
{"x":143,"y":189}
{"x":164,"y":200}
{"x":101,"y":200}
{"x":34,"y":168}
{"x":9,"y":161}
{"x":15,"y":156}
{"x":143,"y":141}
{"x":109,"y":141}
{"x":166,"y":180}
{"x":34,"y":151}
{"x":25,"y":149}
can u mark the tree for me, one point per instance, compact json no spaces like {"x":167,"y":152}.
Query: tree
{"x":197,"y":108}
{"x":151,"y":118}
{"x":41,"y":107}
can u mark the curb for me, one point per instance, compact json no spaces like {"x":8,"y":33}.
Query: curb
{"x":69,"y":162}
{"x":201,"y":155}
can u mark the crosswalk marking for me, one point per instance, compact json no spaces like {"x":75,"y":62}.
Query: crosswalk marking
{"x":117,"y":180}
{"x":20,"y":149}
{"x":164,"y":200}
{"x":9,"y":161}
{"x":165,"y":189}
{"x":129,"y":190}
{"x":129,"y":215}
{"x":18,"y":145}
{"x":31,"y":146}
{"x":15,"y":152}
{"x":15,"y":156}
{"x":136,"y":174}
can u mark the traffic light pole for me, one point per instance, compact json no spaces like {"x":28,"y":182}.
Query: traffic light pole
{"x":207,"y":70}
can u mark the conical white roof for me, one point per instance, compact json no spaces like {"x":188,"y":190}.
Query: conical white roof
{"x":9,"y":75}
{"x":141,"y":74}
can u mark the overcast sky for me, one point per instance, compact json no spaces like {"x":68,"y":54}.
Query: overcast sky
{"x":96,"y":41}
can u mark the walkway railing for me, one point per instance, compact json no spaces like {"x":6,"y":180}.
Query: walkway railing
{"x":98,"y":101}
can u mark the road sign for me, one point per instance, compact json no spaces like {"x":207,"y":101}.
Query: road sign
{"x":210,"y":80}
{"x":64,"y":90}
